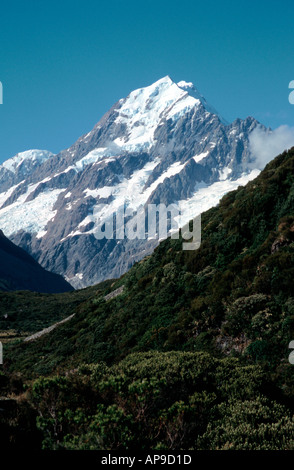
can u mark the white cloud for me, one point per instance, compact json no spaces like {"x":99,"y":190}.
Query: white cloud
{"x":266,"y":144}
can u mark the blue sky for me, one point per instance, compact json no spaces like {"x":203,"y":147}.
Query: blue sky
{"x":63,"y":64}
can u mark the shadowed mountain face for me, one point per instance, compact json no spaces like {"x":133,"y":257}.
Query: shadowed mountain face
{"x":19,"y":271}
{"x":161,"y":144}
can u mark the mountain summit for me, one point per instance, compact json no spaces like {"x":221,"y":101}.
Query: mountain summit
{"x":192,"y":91}
{"x":161,"y":144}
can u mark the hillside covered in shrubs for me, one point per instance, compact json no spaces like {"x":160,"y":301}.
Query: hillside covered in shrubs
{"x":192,"y":353}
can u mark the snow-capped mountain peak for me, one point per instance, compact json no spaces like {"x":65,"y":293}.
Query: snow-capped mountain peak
{"x":163,"y":143}
{"x":190,"y":88}
{"x":21,"y":166}
{"x":160,"y":97}
{"x":34,"y":156}
{"x":144,"y":109}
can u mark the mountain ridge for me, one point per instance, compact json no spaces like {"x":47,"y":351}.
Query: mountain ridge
{"x":158,"y":145}
{"x":19,"y":271}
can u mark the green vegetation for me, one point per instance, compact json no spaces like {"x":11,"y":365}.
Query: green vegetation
{"x":159,"y":400}
{"x":193,"y":353}
{"x":26,"y":311}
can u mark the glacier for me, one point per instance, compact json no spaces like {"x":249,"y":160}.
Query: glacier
{"x":161,"y":144}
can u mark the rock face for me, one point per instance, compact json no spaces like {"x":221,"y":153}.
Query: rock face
{"x":162,"y":144}
{"x":19,"y":167}
{"x":19,"y":271}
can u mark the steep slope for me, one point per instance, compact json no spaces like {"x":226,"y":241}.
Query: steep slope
{"x":19,"y":271}
{"x":188,"y":350}
{"x":232,"y":296}
{"x":16,"y":169}
{"x":162,"y":144}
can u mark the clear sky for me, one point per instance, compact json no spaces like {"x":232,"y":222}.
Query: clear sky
{"x":64,"y":63}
